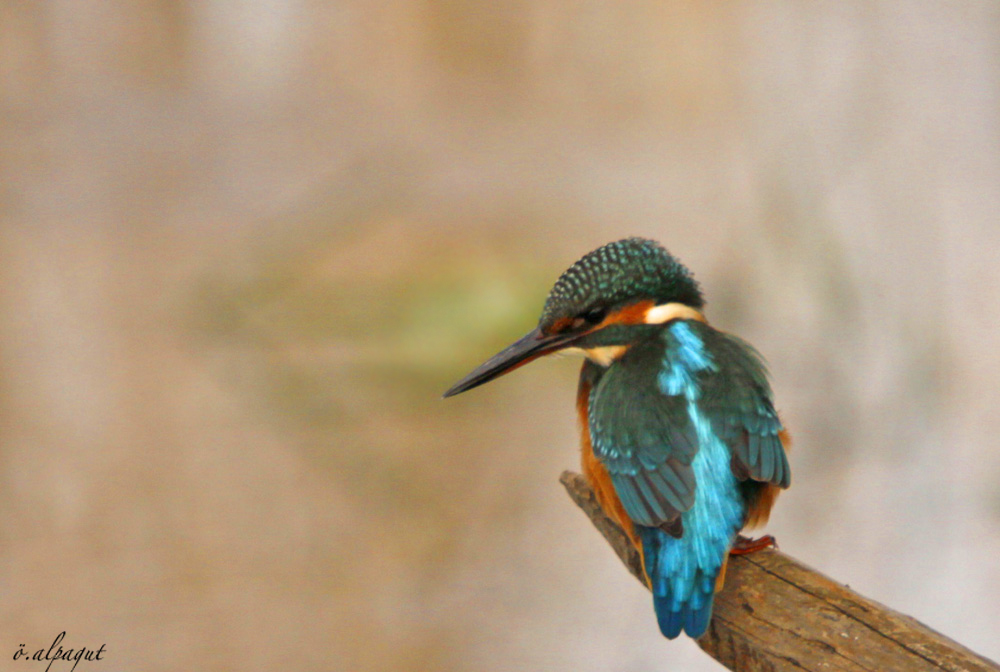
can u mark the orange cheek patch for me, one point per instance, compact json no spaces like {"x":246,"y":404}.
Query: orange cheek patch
{"x":632,"y":314}
{"x":560,"y":325}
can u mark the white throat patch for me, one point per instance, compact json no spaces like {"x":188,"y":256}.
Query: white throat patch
{"x":606,"y":354}
{"x":603,"y":355}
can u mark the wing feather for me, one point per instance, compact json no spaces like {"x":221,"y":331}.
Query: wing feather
{"x":644,"y":438}
{"x":641,"y":427}
{"x":736,"y":397}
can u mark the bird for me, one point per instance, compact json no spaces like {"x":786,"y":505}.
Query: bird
{"x":680,"y":439}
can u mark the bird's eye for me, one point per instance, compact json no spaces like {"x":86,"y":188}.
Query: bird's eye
{"x":595,"y":315}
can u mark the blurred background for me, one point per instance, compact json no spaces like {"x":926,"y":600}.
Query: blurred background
{"x":244,"y":247}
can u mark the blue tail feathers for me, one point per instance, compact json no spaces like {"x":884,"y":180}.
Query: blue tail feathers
{"x":682,"y":571}
{"x":691,"y":617}
{"x":682,"y":578}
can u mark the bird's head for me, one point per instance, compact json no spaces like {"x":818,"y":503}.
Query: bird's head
{"x":600,"y":305}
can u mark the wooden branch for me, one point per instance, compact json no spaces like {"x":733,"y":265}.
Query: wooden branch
{"x":776,"y":614}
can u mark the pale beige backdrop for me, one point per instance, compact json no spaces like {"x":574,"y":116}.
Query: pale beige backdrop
{"x":244,"y":246}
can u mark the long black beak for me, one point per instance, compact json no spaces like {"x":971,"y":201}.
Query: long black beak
{"x":532,"y":345}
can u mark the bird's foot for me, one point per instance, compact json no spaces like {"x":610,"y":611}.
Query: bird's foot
{"x":744,"y":545}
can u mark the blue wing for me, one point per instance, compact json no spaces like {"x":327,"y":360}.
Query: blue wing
{"x":690,"y":406}
{"x":642,"y":428}
{"x":644,"y":438}
{"x":736,"y":398}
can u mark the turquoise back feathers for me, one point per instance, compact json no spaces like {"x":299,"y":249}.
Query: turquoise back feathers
{"x":679,"y":422}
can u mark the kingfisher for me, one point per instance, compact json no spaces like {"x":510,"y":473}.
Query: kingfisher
{"x":680,"y":439}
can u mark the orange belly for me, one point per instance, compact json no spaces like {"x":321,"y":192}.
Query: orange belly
{"x":597,"y":474}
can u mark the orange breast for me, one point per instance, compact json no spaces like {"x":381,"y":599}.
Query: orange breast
{"x":597,"y":474}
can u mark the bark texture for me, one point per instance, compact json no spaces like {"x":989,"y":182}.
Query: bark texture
{"x":777,"y":614}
